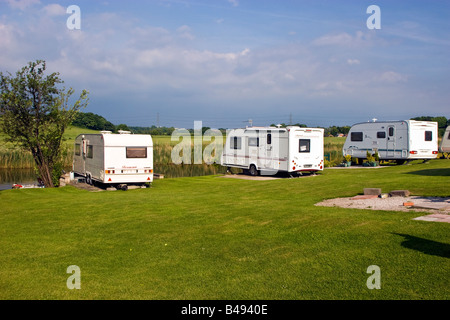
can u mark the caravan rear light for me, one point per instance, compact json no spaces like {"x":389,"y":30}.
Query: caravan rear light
{"x":413,"y":152}
{"x":434,"y":152}
{"x":109,"y":171}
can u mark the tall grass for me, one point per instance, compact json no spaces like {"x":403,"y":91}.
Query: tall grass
{"x":14,"y":158}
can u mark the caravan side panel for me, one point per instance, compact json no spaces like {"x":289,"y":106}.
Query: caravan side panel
{"x":389,"y":139}
{"x":88,"y":155}
{"x":445,"y":143}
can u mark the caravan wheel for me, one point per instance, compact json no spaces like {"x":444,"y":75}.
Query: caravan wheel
{"x":253,"y":171}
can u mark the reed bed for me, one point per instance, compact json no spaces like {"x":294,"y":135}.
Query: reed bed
{"x":14,"y":158}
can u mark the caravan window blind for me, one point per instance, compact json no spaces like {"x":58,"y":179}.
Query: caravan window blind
{"x":235,"y":143}
{"x":428,"y":136}
{"x":304,"y":145}
{"x":136,"y":152}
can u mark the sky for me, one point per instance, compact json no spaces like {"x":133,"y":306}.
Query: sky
{"x":226,"y":62}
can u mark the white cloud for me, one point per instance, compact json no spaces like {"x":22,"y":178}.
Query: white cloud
{"x":392,"y":77}
{"x":54,"y":10}
{"x":353,"y":61}
{"x":22,"y":4}
{"x":345,"y":39}
{"x":185,"y":32}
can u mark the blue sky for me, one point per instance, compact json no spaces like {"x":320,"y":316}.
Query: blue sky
{"x":226,"y":61}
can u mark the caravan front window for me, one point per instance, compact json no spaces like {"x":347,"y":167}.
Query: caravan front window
{"x":77,"y":149}
{"x":136,"y":152}
{"x":304,"y":145}
{"x":356,"y":136}
{"x":428,"y":136}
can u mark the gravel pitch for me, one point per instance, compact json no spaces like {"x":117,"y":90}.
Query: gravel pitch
{"x":420,"y":204}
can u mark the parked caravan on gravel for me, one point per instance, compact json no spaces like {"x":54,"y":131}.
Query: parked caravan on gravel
{"x":445,"y":142}
{"x":268,"y":150}
{"x":114,"y":159}
{"x":402,"y":141}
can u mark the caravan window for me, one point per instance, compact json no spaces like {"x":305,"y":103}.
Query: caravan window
{"x":428,"y":136}
{"x":90,"y":152}
{"x":391,"y":131}
{"x":304,"y":145}
{"x":136,"y":152}
{"x":381,"y":134}
{"x":269,"y":138}
{"x":356,"y":136}
{"x":77,"y":149}
{"x":235,"y":143}
{"x":253,"y":142}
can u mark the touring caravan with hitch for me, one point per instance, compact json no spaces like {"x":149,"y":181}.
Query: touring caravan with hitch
{"x":114,"y":159}
{"x":403,"y":140}
{"x":445,"y":142}
{"x":268,"y":150}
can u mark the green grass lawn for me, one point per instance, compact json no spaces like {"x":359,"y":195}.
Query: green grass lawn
{"x":218,"y":238}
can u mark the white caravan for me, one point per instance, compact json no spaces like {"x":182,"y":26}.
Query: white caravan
{"x":114,"y":159}
{"x":402,"y":140}
{"x":445,"y":142}
{"x":267,"y":150}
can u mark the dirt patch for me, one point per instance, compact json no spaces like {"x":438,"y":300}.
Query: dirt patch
{"x":268,"y":177}
{"x":434,"y":205}
{"x":85,"y":186}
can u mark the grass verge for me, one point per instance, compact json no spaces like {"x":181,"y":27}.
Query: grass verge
{"x":216,"y":238}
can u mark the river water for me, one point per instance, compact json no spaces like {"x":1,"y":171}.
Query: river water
{"x":8,"y":177}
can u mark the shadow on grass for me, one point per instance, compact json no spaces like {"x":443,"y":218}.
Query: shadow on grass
{"x":429,"y":247}
{"x":431,"y":172}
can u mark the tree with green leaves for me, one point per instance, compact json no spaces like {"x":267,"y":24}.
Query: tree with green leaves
{"x":34,"y":113}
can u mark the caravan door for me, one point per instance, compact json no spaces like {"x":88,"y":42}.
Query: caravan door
{"x":83,"y":155}
{"x":391,"y":141}
{"x":267,"y":160}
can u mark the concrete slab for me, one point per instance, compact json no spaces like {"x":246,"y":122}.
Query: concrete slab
{"x":433,"y":206}
{"x":364,"y":196}
{"x":371,"y":191}
{"x":399,"y":193}
{"x":437,"y":217}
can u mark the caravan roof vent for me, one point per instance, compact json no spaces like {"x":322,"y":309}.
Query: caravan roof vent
{"x":124,"y":132}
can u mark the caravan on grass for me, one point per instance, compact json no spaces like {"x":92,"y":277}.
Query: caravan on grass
{"x":445,"y":142}
{"x":268,"y":150}
{"x":117,"y":160}
{"x":403,"y":140}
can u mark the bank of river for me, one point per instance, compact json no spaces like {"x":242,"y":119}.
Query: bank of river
{"x":8,"y":177}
